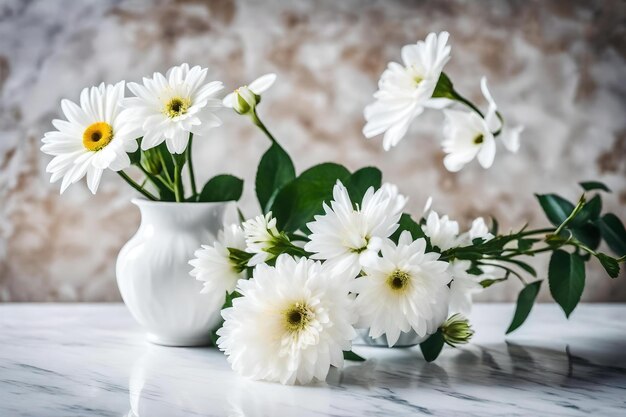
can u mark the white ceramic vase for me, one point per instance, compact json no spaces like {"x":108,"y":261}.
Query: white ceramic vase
{"x":153,"y":271}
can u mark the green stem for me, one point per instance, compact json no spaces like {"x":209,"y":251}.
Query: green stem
{"x":136,"y":186}
{"x":461,"y":99}
{"x":179,"y":192}
{"x":155,"y":178}
{"x":574,"y":213}
{"x":257,"y":121}
{"x":192,"y":177}
{"x":465,"y":101}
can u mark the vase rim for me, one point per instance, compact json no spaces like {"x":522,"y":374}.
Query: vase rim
{"x":145,"y":202}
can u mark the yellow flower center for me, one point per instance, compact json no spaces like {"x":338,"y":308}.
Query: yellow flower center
{"x":417,"y":80}
{"x":177,"y":106}
{"x":297,"y":317}
{"x":478,"y":139}
{"x":97,"y":136}
{"x":398,"y":280}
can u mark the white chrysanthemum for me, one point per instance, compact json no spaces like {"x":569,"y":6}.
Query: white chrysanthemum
{"x":169,"y":107}
{"x":246,"y":97}
{"x":261,"y":235}
{"x":405,"y":90}
{"x":214,"y":265}
{"x":442,"y":232}
{"x":95,"y":137}
{"x":293,"y":322}
{"x":343,"y":236}
{"x":405,"y":289}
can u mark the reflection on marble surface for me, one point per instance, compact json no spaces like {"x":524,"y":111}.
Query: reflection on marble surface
{"x":555,"y":66}
{"x":62,"y":360}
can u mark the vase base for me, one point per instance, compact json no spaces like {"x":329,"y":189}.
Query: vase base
{"x":179,"y":341}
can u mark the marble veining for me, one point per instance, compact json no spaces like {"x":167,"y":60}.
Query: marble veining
{"x":93,"y":360}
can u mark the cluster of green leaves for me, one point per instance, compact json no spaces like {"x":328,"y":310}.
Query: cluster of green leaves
{"x":165,"y":172}
{"x":581,"y":227}
{"x":295,"y":200}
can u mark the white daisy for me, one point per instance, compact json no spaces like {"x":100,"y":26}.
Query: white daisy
{"x":466,"y":136}
{"x":405,"y":289}
{"x":261,"y":236}
{"x":168,"y":108}
{"x":442,"y":231}
{"x":292,"y":324}
{"x":216,"y":267}
{"x":405,"y":90}
{"x":246,"y":97}
{"x":343,"y":236}
{"x":94,"y":137}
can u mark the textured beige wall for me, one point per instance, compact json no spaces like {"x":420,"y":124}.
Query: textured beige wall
{"x":557,"y":67}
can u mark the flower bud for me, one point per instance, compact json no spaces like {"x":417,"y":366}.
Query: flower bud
{"x":245,"y":100}
{"x":457,"y":330}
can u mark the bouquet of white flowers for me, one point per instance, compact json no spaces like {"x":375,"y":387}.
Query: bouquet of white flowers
{"x":333,"y":251}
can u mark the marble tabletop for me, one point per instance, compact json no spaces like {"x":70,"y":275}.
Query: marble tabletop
{"x":93,"y":360}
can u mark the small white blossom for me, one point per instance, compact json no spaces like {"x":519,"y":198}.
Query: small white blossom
{"x":442,"y":231}
{"x":261,"y":235}
{"x":214,"y":265}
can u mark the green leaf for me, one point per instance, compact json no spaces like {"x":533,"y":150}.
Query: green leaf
{"x":566,"y":275}
{"x":407,"y":223}
{"x":525,"y":301}
{"x":610,"y":264}
{"x":594,"y":185}
{"x":589,"y":234}
{"x":526,"y":244}
{"x":301,"y":199}
{"x":613,"y":233}
{"x":556,"y":208}
{"x":431,"y":347}
{"x":222,"y":188}
{"x":444,"y":87}
{"x":275,"y":170}
{"x":361,"y":180}
{"x":351,"y":356}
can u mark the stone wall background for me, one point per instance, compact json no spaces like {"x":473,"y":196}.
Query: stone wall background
{"x":557,"y":67}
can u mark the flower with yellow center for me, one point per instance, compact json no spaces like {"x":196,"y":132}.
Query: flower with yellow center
{"x":405,"y":90}
{"x":292,"y":324}
{"x":171,"y":107}
{"x":96,"y":136}
{"x":404,"y":289}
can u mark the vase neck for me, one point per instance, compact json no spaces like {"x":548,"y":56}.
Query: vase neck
{"x":180,"y":215}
